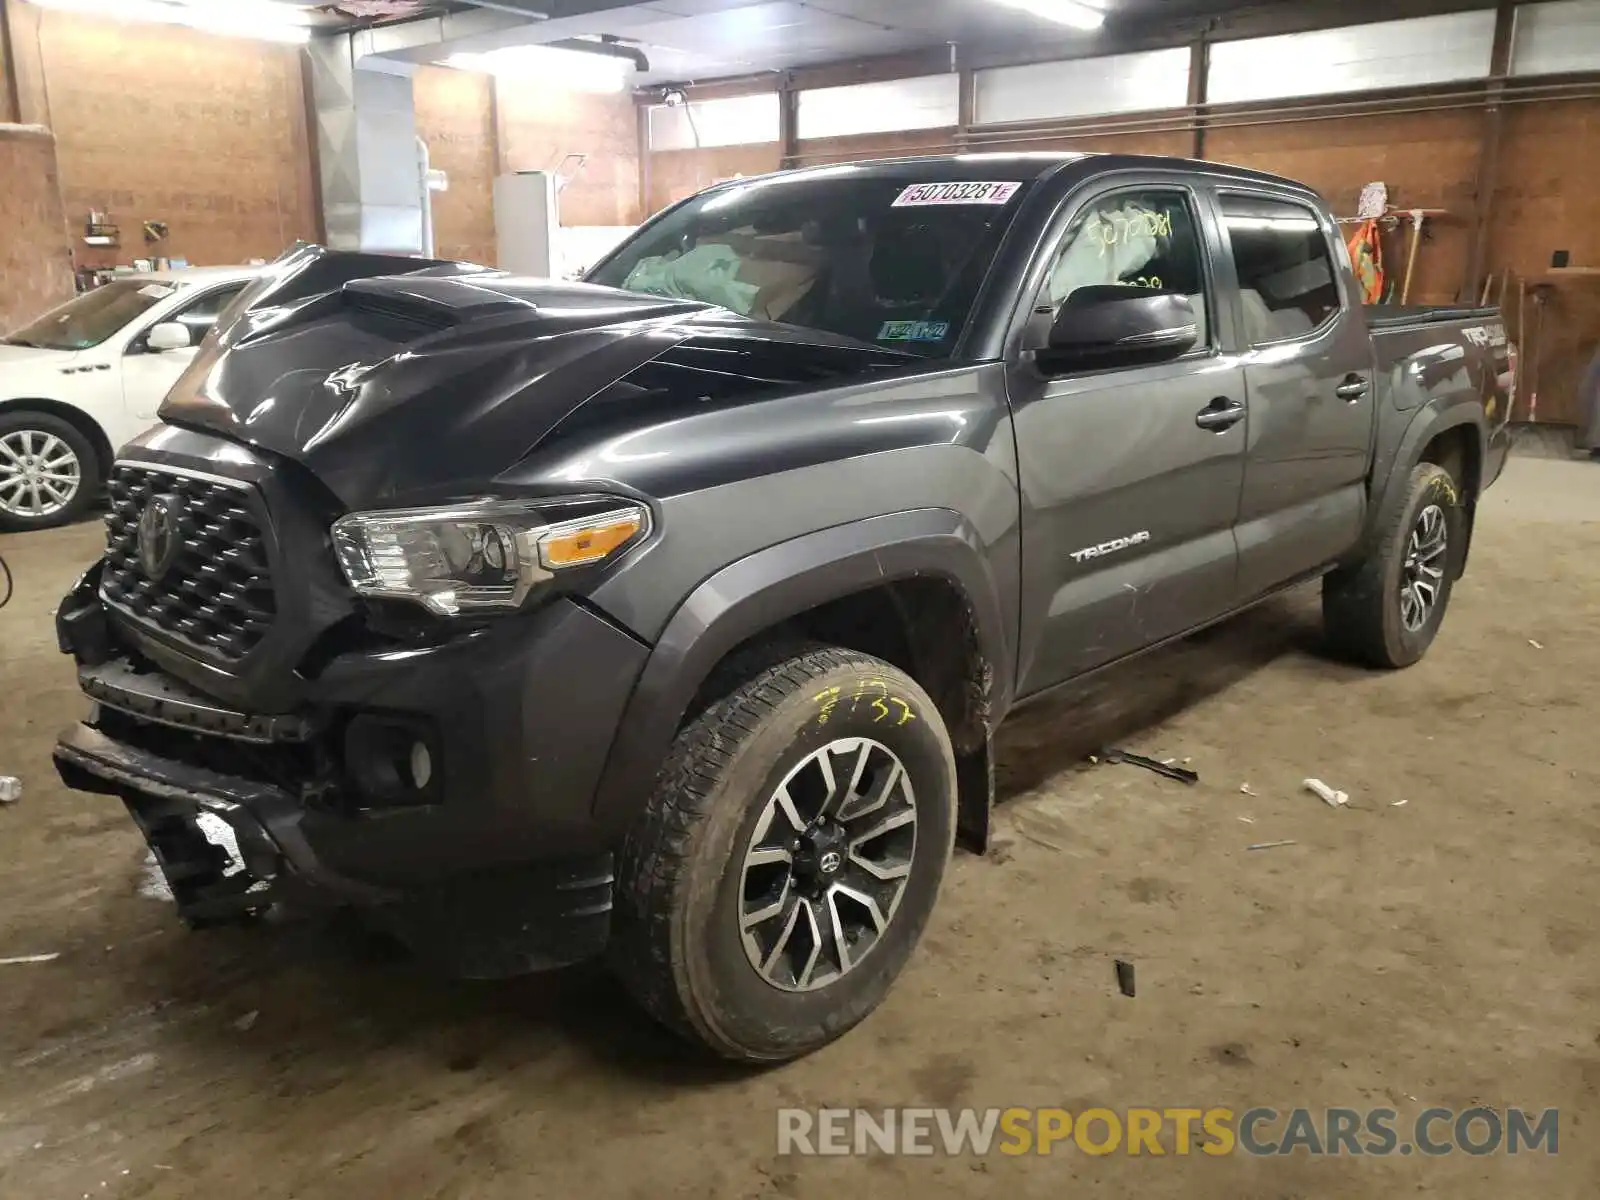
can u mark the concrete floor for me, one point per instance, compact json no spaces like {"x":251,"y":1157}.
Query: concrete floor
{"x":1439,"y":953}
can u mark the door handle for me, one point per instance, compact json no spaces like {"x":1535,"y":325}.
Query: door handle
{"x":1352,"y":389}
{"x":1221,"y":414}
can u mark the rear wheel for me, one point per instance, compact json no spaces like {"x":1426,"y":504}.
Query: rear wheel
{"x":789,"y":858}
{"x":1386,"y":610}
{"x":48,"y":472}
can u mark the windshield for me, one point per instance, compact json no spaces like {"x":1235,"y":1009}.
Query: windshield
{"x":92,"y":317}
{"x":895,"y":261}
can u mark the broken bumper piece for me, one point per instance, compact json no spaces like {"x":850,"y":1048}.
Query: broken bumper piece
{"x":167,"y":797}
{"x":481,"y":925}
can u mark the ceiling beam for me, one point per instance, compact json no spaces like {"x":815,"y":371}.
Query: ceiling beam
{"x":425,"y":40}
{"x":1124,"y":36}
{"x":495,"y":24}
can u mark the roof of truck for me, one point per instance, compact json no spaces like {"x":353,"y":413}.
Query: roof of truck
{"x":1025,"y":165}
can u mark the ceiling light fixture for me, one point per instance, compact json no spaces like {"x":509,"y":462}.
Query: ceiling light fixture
{"x":1079,"y":14}
{"x":571,"y":69}
{"x":259,"y":19}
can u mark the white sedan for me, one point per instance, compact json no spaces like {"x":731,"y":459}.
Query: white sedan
{"x":89,"y":376}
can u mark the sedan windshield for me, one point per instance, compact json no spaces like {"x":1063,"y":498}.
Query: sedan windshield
{"x":891,"y":260}
{"x":92,"y":317}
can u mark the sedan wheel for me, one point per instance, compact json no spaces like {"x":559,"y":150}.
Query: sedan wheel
{"x":40,"y":475}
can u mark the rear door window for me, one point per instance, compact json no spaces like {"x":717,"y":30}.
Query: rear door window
{"x":1287,"y":281}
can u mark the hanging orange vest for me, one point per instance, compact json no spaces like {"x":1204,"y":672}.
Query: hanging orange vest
{"x":1366,"y":256}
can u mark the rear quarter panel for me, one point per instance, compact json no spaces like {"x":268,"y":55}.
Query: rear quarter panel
{"x":1435,"y":377}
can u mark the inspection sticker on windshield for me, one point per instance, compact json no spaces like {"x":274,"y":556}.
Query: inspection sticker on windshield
{"x":921,"y":194}
{"x":158,"y":290}
{"x":914,"y":331}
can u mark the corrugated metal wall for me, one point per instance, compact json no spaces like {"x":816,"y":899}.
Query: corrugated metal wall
{"x":926,"y":102}
{"x":1390,"y":54}
{"x":1085,"y":87}
{"x":734,"y":121}
{"x":1555,"y":38}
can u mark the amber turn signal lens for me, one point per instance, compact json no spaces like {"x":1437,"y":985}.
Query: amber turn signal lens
{"x":579,"y":544}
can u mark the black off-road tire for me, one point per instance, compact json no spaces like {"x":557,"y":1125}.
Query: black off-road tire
{"x":1361,"y":605}
{"x":676,"y":941}
{"x":91,"y":470}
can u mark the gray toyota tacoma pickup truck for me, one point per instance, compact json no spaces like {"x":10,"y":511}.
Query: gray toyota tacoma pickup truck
{"x":669,"y":615}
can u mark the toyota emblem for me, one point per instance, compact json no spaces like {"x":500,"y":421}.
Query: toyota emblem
{"x":160,"y":535}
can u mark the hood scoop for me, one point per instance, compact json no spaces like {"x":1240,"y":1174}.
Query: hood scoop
{"x":434,"y":305}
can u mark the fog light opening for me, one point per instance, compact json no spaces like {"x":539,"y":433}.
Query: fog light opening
{"x":390,"y":763}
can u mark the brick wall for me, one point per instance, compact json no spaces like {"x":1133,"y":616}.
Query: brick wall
{"x":455,"y":116}
{"x":35,"y":262}
{"x":157,"y":122}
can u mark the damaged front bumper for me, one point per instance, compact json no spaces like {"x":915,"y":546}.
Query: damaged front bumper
{"x":479,"y":875}
{"x":166,"y":798}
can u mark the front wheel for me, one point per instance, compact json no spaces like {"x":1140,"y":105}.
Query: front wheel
{"x":1386,"y":610}
{"x":48,"y":472}
{"x":789,"y":858}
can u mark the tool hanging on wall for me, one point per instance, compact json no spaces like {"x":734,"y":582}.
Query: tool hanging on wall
{"x":1418,"y":216}
{"x":1522,"y":346}
{"x":1541,"y":297}
{"x":1488,"y":286}
{"x":1390,"y":219}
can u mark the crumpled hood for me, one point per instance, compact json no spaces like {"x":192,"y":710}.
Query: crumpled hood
{"x":385,"y":387}
{"x":393,"y":388}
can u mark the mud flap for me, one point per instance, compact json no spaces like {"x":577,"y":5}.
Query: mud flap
{"x":500,"y":924}
{"x":975,"y":797}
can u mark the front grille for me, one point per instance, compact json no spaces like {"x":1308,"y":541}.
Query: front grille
{"x":216,"y":592}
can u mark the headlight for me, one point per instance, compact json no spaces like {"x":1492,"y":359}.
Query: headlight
{"x":486,"y":555}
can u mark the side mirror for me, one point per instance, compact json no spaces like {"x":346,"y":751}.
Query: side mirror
{"x":1115,"y":325}
{"x":169,"y":335}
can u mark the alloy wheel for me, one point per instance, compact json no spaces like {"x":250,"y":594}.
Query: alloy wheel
{"x":1422,"y":575}
{"x":827,"y":864}
{"x":39,"y":474}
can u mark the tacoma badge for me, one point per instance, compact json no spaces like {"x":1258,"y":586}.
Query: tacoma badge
{"x":1111,"y":547}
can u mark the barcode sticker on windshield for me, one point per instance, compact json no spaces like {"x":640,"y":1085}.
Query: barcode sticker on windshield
{"x":920,"y":194}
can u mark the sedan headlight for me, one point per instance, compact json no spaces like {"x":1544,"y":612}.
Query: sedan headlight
{"x":486,"y":555}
